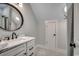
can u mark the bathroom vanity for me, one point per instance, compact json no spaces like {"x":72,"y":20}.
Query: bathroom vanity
{"x":22,"y":46}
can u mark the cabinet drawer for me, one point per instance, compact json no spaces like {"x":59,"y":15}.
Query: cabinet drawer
{"x":22,"y":53}
{"x":14,"y":51}
{"x":30,"y":43}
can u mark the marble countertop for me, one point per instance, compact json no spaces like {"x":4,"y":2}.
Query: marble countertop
{"x":18,"y":41}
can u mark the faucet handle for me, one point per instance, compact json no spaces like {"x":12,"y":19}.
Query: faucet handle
{"x":7,"y":38}
{"x":13,"y":35}
{"x":0,"y":40}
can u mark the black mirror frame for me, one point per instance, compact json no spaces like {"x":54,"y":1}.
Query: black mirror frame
{"x":18,"y":12}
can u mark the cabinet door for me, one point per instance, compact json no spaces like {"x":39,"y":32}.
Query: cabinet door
{"x":14,"y":51}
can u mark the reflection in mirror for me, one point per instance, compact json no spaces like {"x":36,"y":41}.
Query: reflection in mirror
{"x":10,"y":17}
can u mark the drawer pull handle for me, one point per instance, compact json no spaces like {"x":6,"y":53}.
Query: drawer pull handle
{"x":31,"y":48}
{"x":31,"y":54}
{"x":25,"y":53}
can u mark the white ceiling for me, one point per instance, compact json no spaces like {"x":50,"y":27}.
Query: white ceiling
{"x":48,"y":11}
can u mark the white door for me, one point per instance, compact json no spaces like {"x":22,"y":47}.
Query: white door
{"x":51,"y":34}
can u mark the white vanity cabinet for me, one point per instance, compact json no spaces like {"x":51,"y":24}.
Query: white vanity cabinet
{"x":24,"y":49}
{"x":14,"y":51}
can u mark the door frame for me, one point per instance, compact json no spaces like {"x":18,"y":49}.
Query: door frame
{"x":72,"y":32}
{"x":71,"y":35}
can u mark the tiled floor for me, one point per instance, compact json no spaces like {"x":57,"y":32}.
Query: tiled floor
{"x":46,"y":52}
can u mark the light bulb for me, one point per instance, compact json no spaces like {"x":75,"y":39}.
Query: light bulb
{"x":65,"y":9}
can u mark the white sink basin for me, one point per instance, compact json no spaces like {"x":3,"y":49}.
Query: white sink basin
{"x":22,"y":38}
{"x":3,"y":45}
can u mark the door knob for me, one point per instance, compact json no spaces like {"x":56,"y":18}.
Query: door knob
{"x":73,"y":45}
{"x":54,"y":34}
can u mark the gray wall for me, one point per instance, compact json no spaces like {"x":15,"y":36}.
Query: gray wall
{"x":49,"y":11}
{"x":29,"y":26}
{"x":62,"y":34}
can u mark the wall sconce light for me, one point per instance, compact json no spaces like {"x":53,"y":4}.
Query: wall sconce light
{"x":20,"y":4}
{"x":65,"y":9}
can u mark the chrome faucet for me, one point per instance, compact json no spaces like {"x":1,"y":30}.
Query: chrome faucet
{"x":13,"y":35}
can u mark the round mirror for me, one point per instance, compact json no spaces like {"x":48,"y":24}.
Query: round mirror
{"x":11,"y":18}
